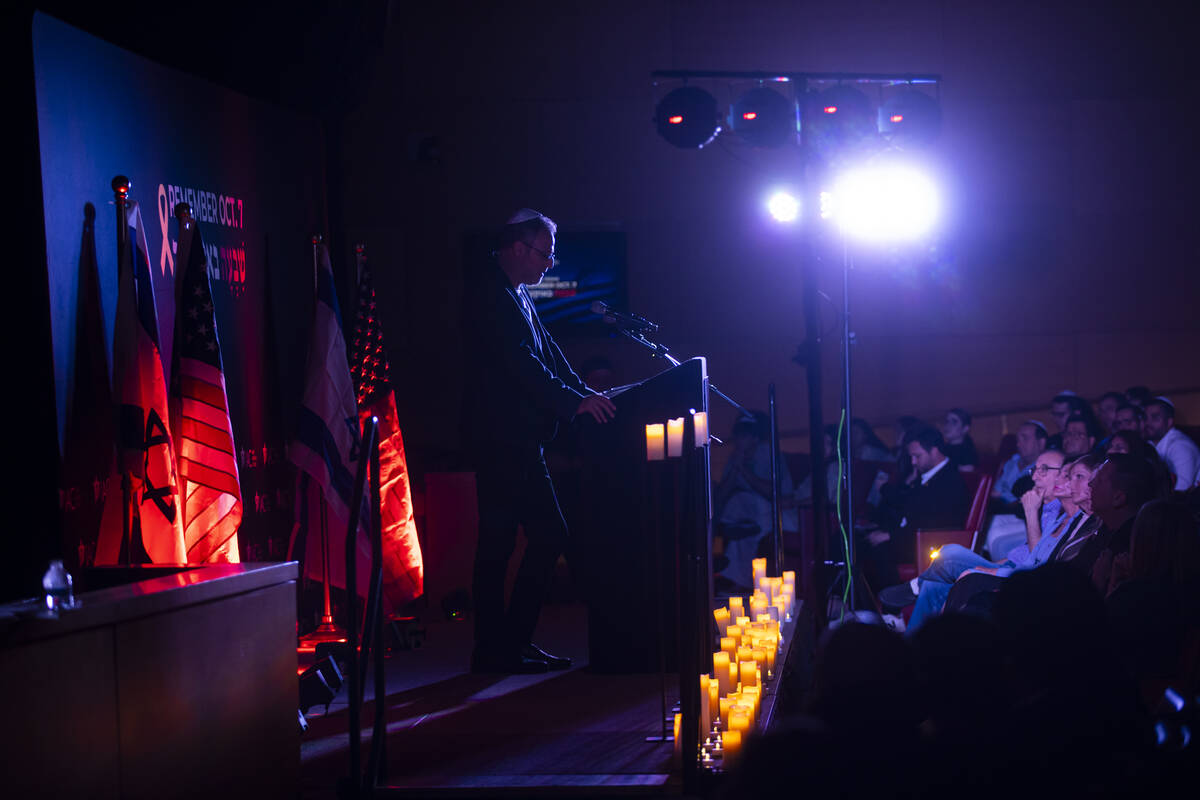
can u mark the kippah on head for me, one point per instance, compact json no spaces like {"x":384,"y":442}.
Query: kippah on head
{"x":523,"y":215}
{"x":1165,"y":402}
{"x":1036,"y":424}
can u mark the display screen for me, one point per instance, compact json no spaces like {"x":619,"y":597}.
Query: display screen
{"x":591,"y":267}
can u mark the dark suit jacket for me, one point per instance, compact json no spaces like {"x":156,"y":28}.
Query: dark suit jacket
{"x":941,"y":503}
{"x":519,"y":385}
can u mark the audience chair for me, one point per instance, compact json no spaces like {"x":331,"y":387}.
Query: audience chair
{"x":931,"y":540}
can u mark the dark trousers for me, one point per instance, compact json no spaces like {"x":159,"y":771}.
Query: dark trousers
{"x":513,"y":487}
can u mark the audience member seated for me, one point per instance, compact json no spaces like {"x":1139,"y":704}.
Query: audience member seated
{"x":1063,"y":406}
{"x":1177,"y":450}
{"x":1106,"y":411}
{"x":863,"y":706}
{"x":804,"y":489}
{"x":1031,"y":443}
{"x":1154,"y":597}
{"x":1129,"y":442}
{"x":1007,"y":528}
{"x":960,"y":447}
{"x":1075,"y":725}
{"x":1130,"y":418}
{"x":1119,"y":488}
{"x":905,"y":425}
{"x":1078,"y":437}
{"x":742,"y":501}
{"x":1054,"y":508}
{"x":975,"y":590}
{"x":865,"y":445}
{"x":935,"y":496}
{"x":1138,"y":395}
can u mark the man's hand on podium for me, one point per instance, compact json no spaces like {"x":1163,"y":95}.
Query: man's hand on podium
{"x":599,"y":406}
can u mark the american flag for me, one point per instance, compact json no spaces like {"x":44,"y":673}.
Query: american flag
{"x":403,"y":565}
{"x":208,"y":470}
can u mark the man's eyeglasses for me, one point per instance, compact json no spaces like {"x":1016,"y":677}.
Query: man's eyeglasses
{"x":1042,"y":469}
{"x":553,"y":259}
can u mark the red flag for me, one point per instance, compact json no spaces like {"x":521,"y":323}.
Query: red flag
{"x":403,"y":566}
{"x":146,"y":453}
{"x":208,"y":470}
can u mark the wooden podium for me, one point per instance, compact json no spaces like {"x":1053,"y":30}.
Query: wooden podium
{"x":645,"y":530}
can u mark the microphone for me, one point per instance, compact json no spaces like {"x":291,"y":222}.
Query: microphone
{"x":623,"y":319}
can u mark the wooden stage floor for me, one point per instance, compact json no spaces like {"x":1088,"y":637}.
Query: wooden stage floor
{"x":453,"y":733}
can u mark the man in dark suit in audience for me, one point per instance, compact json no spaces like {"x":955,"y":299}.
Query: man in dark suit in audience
{"x":935,"y":496}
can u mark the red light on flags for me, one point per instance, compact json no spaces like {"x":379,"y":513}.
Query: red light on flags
{"x":750,"y":115}
{"x":830,"y":109}
{"x":897,"y":117}
{"x":675,"y":120}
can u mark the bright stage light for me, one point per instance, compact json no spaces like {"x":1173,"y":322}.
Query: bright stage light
{"x":883,"y":203}
{"x":783,"y":207}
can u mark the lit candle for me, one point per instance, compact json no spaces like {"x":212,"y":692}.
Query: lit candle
{"x":721,"y":670}
{"x":749,"y":673}
{"x":731,"y":742}
{"x":760,"y":657}
{"x":734,"y":632}
{"x":733,"y":675}
{"x":743,"y":622}
{"x":675,"y":437}
{"x":678,"y":746}
{"x":654,"y":442}
{"x":729,"y":645}
{"x":735,"y":608}
{"x":745,"y":653}
{"x":758,"y":568}
{"x":714,"y":699}
{"x":723,"y":706}
{"x":739,"y":720}
{"x":770,"y":660}
{"x":705,"y":718}
{"x":700,"y":424}
{"x":752,"y":698}
{"x":789,"y":576}
{"x":721,"y":615}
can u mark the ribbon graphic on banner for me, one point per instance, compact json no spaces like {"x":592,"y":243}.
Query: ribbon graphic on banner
{"x":165,"y":260}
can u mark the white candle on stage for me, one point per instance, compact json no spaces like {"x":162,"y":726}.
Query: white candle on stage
{"x":700,"y":423}
{"x":675,"y":437}
{"x":654,"y":442}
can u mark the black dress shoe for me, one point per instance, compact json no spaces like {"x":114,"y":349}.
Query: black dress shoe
{"x":532,"y":651}
{"x":491,"y":664}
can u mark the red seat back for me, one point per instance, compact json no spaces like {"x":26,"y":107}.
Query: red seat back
{"x":983,"y":488}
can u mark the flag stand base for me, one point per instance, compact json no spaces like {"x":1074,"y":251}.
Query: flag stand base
{"x":327,"y":631}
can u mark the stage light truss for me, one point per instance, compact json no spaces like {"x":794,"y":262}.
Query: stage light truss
{"x":834,"y":116}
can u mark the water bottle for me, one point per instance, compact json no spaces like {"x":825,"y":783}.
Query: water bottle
{"x":59,"y":588}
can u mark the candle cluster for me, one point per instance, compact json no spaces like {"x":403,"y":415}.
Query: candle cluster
{"x":664,"y":441}
{"x":731,"y":698}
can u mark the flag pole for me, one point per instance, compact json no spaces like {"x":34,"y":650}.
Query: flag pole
{"x":328,"y":630}
{"x":121,"y":187}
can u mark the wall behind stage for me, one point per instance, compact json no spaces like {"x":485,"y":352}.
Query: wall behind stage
{"x":1066,"y":261}
{"x":252,"y":174}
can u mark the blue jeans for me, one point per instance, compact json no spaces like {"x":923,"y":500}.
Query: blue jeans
{"x":935,"y":582}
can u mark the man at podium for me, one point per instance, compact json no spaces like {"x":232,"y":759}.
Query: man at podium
{"x":519,"y":387}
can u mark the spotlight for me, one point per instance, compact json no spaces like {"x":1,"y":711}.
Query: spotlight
{"x":687,"y":117}
{"x":885,"y":202}
{"x":319,"y":684}
{"x":836,"y":118}
{"x":910,"y":119}
{"x":783,"y":207}
{"x":764,"y":118}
